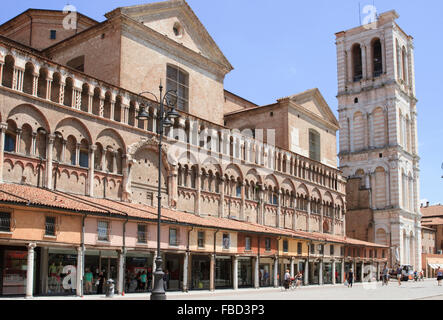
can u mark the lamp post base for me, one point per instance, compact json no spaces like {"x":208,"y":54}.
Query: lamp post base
{"x":158,"y":293}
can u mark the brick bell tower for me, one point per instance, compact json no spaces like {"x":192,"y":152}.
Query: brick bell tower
{"x":378,"y":135}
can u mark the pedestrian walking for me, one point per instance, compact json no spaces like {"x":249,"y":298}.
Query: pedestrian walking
{"x":287,"y":280}
{"x":298,"y":279}
{"x":399,"y":275}
{"x":385,"y":276}
{"x":88,"y":281}
{"x":439,"y":276}
{"x":101,"y":282}
{"x":350,"y":278}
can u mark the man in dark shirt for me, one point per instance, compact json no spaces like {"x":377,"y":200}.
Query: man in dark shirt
{"x":350,"y":278}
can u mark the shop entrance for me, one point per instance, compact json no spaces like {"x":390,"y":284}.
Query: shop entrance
{"x":327,"y":273}
{"x":173,"y":268}
{"x":223,"y":273}
{"x":200,"y":272}
{"x":266,"y":275}
{"x":314,"y":273}
{"x":245,"y":277}
{"x":109,"y":267}
{"x":358,"y":275}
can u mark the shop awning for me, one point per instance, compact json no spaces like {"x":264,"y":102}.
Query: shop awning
{"x":434,"y":266}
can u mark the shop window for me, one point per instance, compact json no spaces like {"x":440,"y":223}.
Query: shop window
{"x":5,"y":222}
{"x":248,"y":244}
{"x":226,"y":241}
{"x":332,"y":250}
{"x":103,"y":231}
{"x":173,"y":239}
{"x":285,"y":246}
{"x":268,"y":244}
{"x":142,"y":234}
{"x":50,"y":226}
{"x":299,"y":248}
{"x":201,"y":239}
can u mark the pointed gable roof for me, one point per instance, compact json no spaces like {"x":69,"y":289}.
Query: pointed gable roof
{"x":312,"y":102}
{"x":179,"y":9}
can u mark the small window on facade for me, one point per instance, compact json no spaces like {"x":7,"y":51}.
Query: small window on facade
{"x":285,"y":246}
{"x":50,"y":226}
{"x":5,"y":222}
{"x":332,"y":250}
{"x":299,"y":248}
{"x":173,"y":240}
{"x":226,"y":241}
{"x":321,"y":248}
{"x":84,"y":159}
{"x":201,"y":239}
{"x":268,"y":244}
{"x":177,"y":80}
{"x":376,"y":254}
{"x":248,"y":244}
{"x":53,"y":34}
{"x":142,"y":234}
{"x":314,"y":145}
{"x":103,"y":231}
{"x":383,"y":254}
{"x":342,"y":251}
{"x":9,"y":143}
{"x":312,"y":249}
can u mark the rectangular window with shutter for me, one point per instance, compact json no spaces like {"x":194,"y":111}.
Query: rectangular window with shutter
{"x":178,"y":80}
{"x":299,"y":248}
{"x":201,"y":239}
{"x":50,"y":226}
{"x":103,"y":231}
{"x":314,"y":145}
{"x":5,"y":222}
{"x":173,"y":239}
{"x":142,"y":234}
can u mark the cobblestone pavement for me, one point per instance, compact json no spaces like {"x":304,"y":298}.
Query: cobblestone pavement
{"x":427,"y":290}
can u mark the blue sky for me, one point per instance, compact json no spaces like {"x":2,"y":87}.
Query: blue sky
{"x":282,"y":47}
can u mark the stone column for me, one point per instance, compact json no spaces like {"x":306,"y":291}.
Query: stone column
{"x":308,"y":221}
{"x":364,"y":62}
{"x":77,"y":154}
{"x":320,"y":273}
{"x":261,"y":205}
{"x":61,"y":95}
{"x":91,"y":171}
{"x":63,"y":151}
{"x":30,"y":271}
{"x":185,"y":271}
{"x":114,"y":162}
{"x":243,"y":202}
{"x":18,"y":140}
{"x":49,"y":155}
{"x":33,"y":143}
{"x":212,"y":273}
{"x":333,"y":273}
{"x":307,"y":272}
{"x":1,"y":73}
{"x":102,"y":106}
{"x":112,"y":116}
{"x":35,"y":84}
{"x":121,"y":272}
{"x":292,"y":268}
{"x":235,"y":272}
{"x":17,"y":79}
{"x":222,"y":197}
{"x":80,"y":272}
{"x":279,"y":195}
{"x":3,"y":128}
{"x":342,"y":278}
{"x":198,"y":191}
{"x":362,"y":271}
{"x":48,"y":92}
{"x":276,"y":284}
{"x":257,"y":272}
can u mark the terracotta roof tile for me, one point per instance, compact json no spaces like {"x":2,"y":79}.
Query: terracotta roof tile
{"x":28,"y":195}
{"x":432,"y":211}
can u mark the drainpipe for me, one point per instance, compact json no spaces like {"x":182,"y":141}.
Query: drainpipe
{"x":278,"y":264}
{"x":83,"y":252}
{"x":212,"y":266}
{"x":123,"y":257}
{"x":187,"y":254}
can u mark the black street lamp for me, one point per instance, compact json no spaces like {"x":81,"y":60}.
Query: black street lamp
{"x":165,"y":120}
